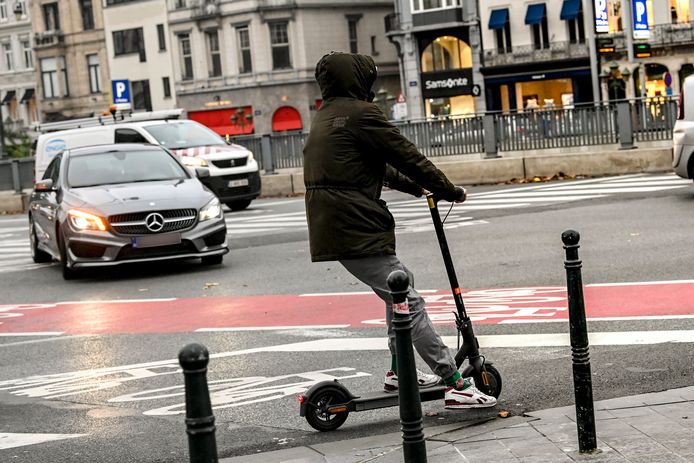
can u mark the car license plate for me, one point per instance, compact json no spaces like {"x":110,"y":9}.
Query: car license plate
{"x":149,"y":241}
{"x":240,"y":182}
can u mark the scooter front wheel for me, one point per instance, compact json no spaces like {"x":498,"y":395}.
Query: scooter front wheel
{"x":318,"y":412}
{"x":493,"y":384}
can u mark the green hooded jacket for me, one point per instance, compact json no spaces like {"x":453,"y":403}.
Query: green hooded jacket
{"x":350,"y":153}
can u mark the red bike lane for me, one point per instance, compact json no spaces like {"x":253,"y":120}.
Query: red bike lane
{"x":622,"y":301}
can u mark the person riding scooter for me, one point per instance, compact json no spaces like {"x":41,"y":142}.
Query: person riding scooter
{"x":351,"y":152}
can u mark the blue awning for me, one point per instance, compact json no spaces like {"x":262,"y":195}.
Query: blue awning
{"x":570,"y":9}
{"x":498,"y":18}
{"x":535,"y":14}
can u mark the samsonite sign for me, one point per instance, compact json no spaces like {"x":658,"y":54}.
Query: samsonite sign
{"x":447,"y":83}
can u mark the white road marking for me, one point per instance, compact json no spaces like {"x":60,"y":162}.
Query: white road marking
{"x":32,"y":333}
{"x":270,"y":328}
{"x":10,"y":440}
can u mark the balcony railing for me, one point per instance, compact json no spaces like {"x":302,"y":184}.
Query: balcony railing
{"x":392,"y":22}
{"x":202,"y":9}
{"x":662,"y":35}
{"x":48,"y":38}
{"x":529,"y":54}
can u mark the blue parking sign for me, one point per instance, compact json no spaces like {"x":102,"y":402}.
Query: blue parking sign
{"x":639,"y":9}
{"x":121,"y":91}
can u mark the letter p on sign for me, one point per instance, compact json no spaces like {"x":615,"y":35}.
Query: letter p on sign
{"x":121,"y":92}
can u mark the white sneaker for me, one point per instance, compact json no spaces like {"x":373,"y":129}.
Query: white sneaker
{"x":390,"y":384}
{"x":466,"y":395}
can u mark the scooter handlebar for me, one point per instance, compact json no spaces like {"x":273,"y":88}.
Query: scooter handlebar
{"x":461,"y":195}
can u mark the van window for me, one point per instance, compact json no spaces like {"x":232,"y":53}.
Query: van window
{"x":52,"y":170}
{"x":129,"y":136}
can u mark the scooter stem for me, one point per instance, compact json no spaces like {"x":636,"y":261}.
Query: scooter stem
{"x":446,"y":254}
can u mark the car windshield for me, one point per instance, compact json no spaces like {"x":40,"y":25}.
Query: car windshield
{"x":177,"y":135}
{"x":123,"y":167}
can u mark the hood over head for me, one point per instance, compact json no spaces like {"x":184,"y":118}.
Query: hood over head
{"x":346,"y":75}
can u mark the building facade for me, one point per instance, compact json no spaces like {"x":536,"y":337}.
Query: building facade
{"x":438,"y":47}
{"x":247,"y":66}
{"x":71,"y":62}
{"x":17,"y":79}
{"x":664,"y":52}
{"x":138,"y":46}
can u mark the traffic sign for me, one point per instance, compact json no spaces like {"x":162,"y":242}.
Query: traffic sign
{"x":121,"y":92}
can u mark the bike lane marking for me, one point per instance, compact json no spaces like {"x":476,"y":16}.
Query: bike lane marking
{"x":618,"y":301}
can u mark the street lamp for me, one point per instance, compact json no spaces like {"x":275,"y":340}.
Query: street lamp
{"x":18,"y":10}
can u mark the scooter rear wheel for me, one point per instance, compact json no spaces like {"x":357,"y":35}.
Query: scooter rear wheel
{"x":493,"y":387}
{"x":317,"y":413}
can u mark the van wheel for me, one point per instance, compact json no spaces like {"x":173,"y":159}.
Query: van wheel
{"x":238,"y":205}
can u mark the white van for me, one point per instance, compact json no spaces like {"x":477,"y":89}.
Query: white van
{"x":234,"y":172}
{"x":683,"y":132}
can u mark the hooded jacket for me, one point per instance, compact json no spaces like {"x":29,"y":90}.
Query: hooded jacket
{"x":350,"y":153}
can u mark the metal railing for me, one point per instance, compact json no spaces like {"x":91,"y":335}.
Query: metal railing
{"x":530,"y":53}
{"x":620,"y":122}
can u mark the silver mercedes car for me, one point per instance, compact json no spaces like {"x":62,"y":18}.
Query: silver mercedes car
{"x":112,"y":204}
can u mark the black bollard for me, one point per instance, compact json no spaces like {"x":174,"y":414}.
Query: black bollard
{"x":199,"y":418}
{"x":414,"y":445}
{"x":578,"y":328}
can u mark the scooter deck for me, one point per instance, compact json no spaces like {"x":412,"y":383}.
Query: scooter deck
{"x":380,"y":399}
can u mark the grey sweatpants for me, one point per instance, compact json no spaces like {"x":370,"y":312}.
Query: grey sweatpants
{"x":374,"y":271}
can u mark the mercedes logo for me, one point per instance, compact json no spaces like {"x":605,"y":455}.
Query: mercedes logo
{"x":154,"y":222}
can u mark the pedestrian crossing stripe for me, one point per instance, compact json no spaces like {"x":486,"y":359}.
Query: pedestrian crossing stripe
{"x":411,"y":215}
{"x":10,"y":440}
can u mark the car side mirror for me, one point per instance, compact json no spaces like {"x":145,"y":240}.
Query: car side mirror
{"x":202,"y":172}
{"x":44,"y":185}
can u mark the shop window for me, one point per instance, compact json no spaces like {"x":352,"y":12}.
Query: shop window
{"x":228,"y":121}
{"x":655,"y":80}
{"x":572,"y":13}
{"x":446,"y":53}
{"x":286,"y":118}
{"x":685,"y":71}
{"x":536,"y":18}
{"x":500,"y":24}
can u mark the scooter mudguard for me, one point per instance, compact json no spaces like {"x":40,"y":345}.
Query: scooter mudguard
{"x":306,"y":397}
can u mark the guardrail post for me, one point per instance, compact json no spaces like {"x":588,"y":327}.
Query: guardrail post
{"x":413,"y":442}
{"x":491,"y":149}
{"x":199,"y":418}
{"x":583,"y":388}
{"x":625,"y":126}
{"x":266,"y":153}
{"x":16,"y":178}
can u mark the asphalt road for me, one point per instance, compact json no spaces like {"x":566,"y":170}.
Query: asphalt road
{"x":97,"y":380}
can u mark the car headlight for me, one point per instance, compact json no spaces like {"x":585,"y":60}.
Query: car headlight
{"x":81,"y":220}
{"x":211,"y":210}
{"x":250,"y":156}
{"x":190,"y":161}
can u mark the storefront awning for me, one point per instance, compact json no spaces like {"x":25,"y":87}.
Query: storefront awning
{"x":498,"y":18}
{"x":286,"y":118}
{"x":28,"y":95}
{"x":535,"y":14}
{"x":9,"y":96}
{"x":570,"y":9}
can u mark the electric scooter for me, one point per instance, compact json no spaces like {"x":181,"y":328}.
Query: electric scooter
{"x":327,"y":404}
